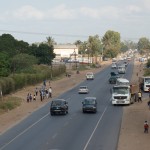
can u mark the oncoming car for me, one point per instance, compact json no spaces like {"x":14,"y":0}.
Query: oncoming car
{"x":89,"y":76}
{"x":89,"y":104}
{"x":83,"y":90}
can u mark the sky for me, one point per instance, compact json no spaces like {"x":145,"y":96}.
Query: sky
{"x":67,"y":21}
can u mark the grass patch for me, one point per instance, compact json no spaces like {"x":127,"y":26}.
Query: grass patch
{"x":9,"y":103}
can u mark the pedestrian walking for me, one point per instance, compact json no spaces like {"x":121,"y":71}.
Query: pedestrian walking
{"x":44,"y":83}
{"x":139,"y":96}
{"x":28,"y":97}
{"x":36,"y":91}
{"x":50,"y":92}
{"x":146,"y":127}
{"x":47,"y":93}
{"x":41,"y":97}
{"x":148,"y":103}
{"x":34,"y":98}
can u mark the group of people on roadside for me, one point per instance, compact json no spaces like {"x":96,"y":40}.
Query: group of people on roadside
{"x":43,"y":92}
{"x":31,"y":97}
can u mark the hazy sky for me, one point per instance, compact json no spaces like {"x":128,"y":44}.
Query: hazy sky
{"x":70,"y":20}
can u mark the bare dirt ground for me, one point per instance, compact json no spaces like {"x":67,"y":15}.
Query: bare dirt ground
{"x":131,"y":137}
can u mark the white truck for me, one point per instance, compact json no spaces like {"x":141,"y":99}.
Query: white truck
{"x":121,"y":69}
{"x":124,"y":94}
{"x":144,"y":83}
{"x":122,"y":81}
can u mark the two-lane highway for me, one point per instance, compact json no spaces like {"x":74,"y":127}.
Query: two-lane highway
{"x":74,"y":131}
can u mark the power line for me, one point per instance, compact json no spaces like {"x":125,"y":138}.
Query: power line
{"x":39,"y":33}
{"x":59,"y":35}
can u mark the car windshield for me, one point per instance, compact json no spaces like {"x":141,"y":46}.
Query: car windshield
{"x":89,"y":74}
{"x":83,"y":87}
{"x":147,"y":80}
{"x":54,"y":103}
{"x":120,"y":90}
{"x":89,"y":102}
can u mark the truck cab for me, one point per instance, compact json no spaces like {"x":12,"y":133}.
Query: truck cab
{"x":144,"y":83}
{"x":121,"y":69}
{"x":121,"y":94}
{"x":124,"y":94}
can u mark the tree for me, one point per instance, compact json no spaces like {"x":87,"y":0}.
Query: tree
{"x":143,"y":45}
{"x":111,"y":44}
{"x":94,"y":45}
{"x":50,"y":41}
{"x":123,"y":47}
{"x":22,"y":61}
{"x":45,"y":54}
{"x":4,"y":64}
{"x":11,"y":46}
{"x":130,"y":44}
{"x":7,"y":44}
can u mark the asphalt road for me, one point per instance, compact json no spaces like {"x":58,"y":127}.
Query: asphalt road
{"x":74,"y":131}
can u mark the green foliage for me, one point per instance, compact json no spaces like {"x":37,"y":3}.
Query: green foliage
{"x":148,"y":63}
{"x":9,"y":103}
{"x":94,"y":45}
{"x":147,"y":72}
{"x":50,"y":41}
{"x":111,"y":42}
{"x":123,"y":47}
{"x":130,"y":44}
{"x":18,"y":81}
{"x":7,"y":85}
{"x":143,"y":45}
{"x":22,"y":61}
{"x":4,"y":64}
{"x":43,"y":52}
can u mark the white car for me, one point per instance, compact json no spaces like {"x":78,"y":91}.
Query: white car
{"x":83,"y":90}
{"x":89,"y":76}
{"x":113,"y":66}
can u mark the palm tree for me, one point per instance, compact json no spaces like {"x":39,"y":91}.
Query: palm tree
{"x":50,"y":41}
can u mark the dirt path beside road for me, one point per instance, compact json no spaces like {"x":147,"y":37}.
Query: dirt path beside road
{"x":132,"y":136}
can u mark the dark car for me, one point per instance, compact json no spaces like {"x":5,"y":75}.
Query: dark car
{"x":89,"y":104}
{"x":113,"y":79}
{"x":59,"y":106}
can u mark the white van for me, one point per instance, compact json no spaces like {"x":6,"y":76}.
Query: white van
{"x":122,"y":81}
{"x":89,"y":76}
{"x":121,"y":69}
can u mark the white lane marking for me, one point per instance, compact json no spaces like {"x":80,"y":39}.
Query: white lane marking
{"x":54,"y":136}
{"x":85,"y":147}
{"x":24,"y":131}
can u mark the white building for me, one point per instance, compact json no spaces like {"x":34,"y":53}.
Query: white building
{"x":65,"y":51}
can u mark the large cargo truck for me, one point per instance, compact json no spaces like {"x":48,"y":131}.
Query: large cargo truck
{"x":144,"y":83}
{"x":124,"y":94}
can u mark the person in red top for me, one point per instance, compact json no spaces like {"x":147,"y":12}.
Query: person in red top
{"x":146,"y":127}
